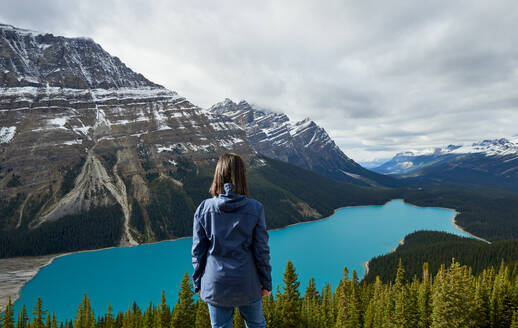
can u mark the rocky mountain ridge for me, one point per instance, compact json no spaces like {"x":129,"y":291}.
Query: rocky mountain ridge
{"x":303,"y":143}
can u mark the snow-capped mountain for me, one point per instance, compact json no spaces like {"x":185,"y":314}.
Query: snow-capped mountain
{"x":409,"y":161}
{"x":301,"y":143}
{"x":488,"y":162}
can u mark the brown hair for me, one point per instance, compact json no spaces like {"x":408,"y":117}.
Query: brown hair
{"x":230,"y":168}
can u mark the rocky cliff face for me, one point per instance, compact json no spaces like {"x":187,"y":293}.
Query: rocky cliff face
{"x":302,"y":143}
{"x":105,"y":136}
{"x":79,"y":130}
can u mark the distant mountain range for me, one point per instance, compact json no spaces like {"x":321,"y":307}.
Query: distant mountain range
{"x":302,"y":143}
{"x":489,"y":162}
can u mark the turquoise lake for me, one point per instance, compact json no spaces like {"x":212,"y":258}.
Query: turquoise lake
{"x":318,"y":249}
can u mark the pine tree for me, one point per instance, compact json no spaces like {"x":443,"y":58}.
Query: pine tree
{"x":290,"y":298}
{"x":202,"y":315}
{"x":156,"y":318}
{"x":342,"y":297}
{"x":8,"y":319}
{"x":38,"y":314}
{"x":126,"y":318}
{"x":48,"y":323}
{"x":54,"y":321}
{"x":327,"y":317}
{"x":424,"y":298}
{"x":453,"y":298}
{"x":310,"y":305}
{"x":147,"y":320}
{"x":84,"y":315}
{"x":109,"y":322}
{"x":413,"y":315}
{"x":164,"y":312}
{"x":119,"y":320}
{"x":501,"y":304}
{"x":481,"y":301}
{"x":184,"y":313}
{"x":401,"y":298}
{"x":135,"y":316}
{"x":374,"y":313}
{"x":354,"y":315}
{"x":22,"y":320}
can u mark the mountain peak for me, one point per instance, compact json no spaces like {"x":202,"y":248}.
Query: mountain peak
{"x":223,"y":106}
{"x":34,"y":59}
{"x":244,"y":105}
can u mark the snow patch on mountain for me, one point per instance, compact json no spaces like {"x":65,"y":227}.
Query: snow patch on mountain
{"x":494,"y":147}
{"x":7,"y":134}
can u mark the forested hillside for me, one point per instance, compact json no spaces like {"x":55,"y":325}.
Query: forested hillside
{"x":488,"y":213}
{"x":438,"y":248}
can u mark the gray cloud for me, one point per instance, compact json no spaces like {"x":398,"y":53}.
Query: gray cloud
{"x":379,"y":76}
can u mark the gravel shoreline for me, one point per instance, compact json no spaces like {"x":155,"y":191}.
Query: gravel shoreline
{"x":15,"y":272}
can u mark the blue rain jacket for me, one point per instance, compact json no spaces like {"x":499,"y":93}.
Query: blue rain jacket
{"x":230,"y":252}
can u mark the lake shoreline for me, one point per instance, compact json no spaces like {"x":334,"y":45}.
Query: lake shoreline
{"x":402,"y":241}
{"x":454,"y":222}
{"x":14,"y":277}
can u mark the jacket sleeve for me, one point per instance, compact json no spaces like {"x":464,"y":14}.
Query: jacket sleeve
{"x":261,"y":252}
{"x":199,"y":250}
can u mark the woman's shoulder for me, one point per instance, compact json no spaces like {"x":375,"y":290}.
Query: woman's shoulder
{"x":255,"y":204}
{"x":205,"y":205}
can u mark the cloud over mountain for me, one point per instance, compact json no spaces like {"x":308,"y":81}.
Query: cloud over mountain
{"x":380,"y":77}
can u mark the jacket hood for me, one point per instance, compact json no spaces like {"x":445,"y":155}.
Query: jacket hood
{"x":229,"y":201}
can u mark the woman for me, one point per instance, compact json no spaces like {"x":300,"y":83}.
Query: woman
{"x":230,"y":252}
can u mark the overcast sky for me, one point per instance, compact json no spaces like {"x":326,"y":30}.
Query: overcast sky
{"x":379,"y":76}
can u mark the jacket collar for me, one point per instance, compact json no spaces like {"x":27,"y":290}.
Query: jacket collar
{"x":230,"y":201}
